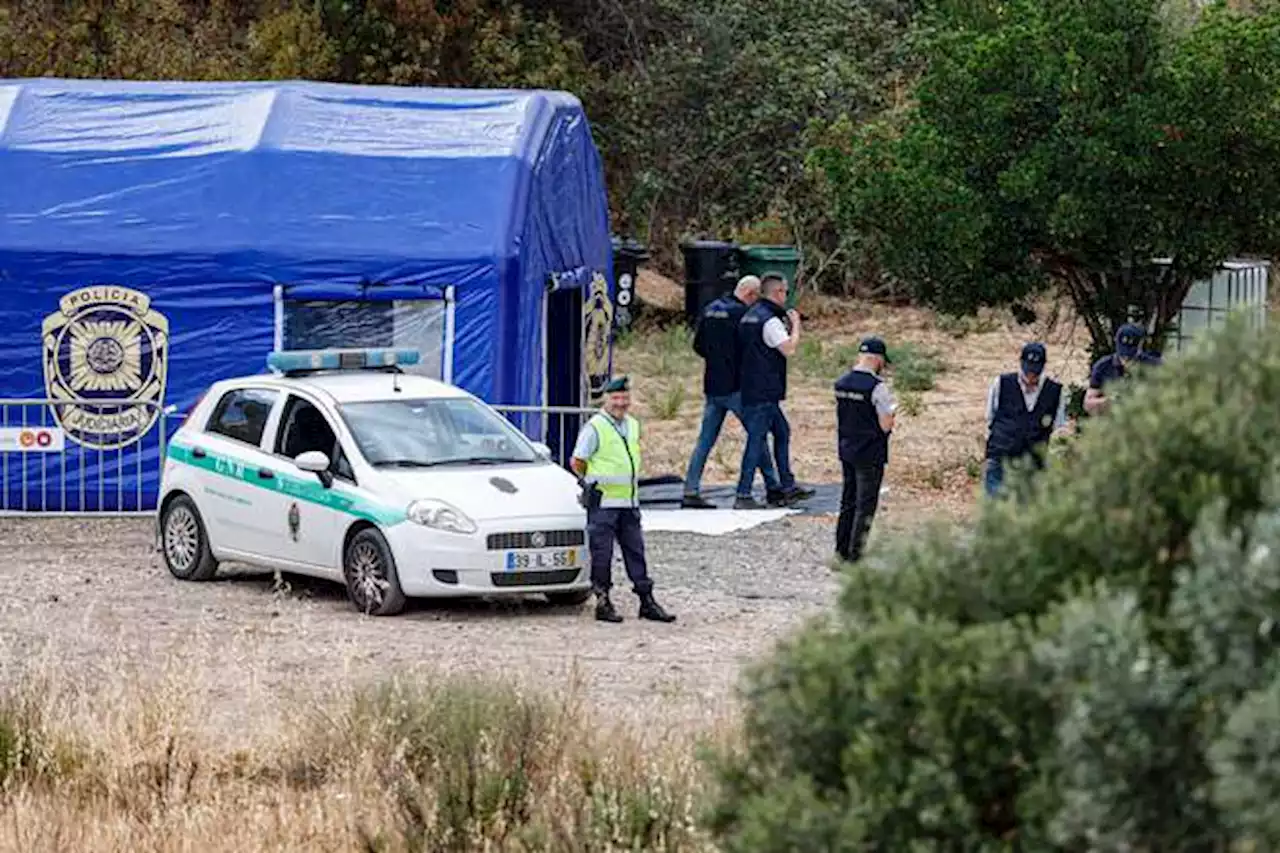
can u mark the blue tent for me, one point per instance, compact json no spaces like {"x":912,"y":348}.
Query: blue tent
{"x":155,"y":237}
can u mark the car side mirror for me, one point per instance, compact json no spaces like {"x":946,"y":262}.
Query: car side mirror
{"x":542,"y":450}
{"x":315,"y":462}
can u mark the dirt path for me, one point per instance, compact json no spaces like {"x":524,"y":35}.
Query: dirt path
{"x":83,"y":598}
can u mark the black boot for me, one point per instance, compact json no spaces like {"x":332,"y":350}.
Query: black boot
{"x":605,"y":611}
{"x":652,"y":610}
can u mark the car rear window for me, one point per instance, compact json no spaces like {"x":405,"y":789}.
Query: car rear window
{"x":242,"y":414}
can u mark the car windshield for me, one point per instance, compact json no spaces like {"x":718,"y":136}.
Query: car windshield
{"x":427,"y":433}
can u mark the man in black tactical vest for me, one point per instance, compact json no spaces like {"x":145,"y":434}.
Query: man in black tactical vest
{"x":865,"y":413}
{"x":716,"y":340}
{"x":767,"y":336}
{"x":1024,"y":408}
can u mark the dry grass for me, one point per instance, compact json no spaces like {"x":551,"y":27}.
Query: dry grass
{"x":937,"y":447}
{"x":130,"y":763}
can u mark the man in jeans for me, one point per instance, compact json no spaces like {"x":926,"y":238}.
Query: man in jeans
{"x":768,"y":335}
{"x":716,"y":340}
{"x":865,"y":413}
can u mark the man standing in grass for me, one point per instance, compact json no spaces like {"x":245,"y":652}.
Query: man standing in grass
{"x":767,"y":336}
{"x":716,"y":341}
{"x":1024,"y":409}
{"x":865,"y":415}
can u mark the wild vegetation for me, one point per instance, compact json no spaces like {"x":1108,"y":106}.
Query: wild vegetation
{"x":1093,"y":667}
{"x":449,"y":765}
{"x":1087,"y":668}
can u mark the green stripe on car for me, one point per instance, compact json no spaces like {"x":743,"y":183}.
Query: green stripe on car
{"x":307,"y":489}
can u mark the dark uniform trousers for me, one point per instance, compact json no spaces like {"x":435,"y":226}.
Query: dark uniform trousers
{"x":605,"y":526}
{"x":864,"y":453}
{"x":859,"y":500}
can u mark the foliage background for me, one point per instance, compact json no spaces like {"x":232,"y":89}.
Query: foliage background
{"x":703,"y":109}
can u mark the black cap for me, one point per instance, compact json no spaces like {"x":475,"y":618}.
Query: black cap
{"x":618,"y":383}
{"x":874,"y":346}
{"x":1033,"y":357}
{"x":1128,"y":339}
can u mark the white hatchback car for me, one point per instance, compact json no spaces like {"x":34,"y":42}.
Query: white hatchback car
{"x":340,"y":466}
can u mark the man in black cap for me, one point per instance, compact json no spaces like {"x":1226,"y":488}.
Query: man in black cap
{"x":865,"y":414}
{"x":1116,"y":366}
{"x":1024,"y":409}
{"x":606,"y":459}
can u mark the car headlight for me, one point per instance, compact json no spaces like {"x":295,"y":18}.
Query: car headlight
{"x":430,"y":512}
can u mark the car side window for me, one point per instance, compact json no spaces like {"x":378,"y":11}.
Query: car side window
{"x":303,"y":428}
{"x":242,"y":414}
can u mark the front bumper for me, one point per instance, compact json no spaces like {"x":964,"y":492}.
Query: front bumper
{"x":433,"y":563}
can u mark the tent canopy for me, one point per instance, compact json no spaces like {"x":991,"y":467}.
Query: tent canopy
{"x":221,"y":220}
{"x":376,"y":173}
{"x":199,"y":191}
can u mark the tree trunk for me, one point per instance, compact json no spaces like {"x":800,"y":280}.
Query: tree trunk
{"x":1104,"y":301}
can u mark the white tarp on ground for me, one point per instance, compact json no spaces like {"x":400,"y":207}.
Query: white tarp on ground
{"x":708,"y":522}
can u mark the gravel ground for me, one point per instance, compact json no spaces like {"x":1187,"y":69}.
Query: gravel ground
{"x":86,"y":599}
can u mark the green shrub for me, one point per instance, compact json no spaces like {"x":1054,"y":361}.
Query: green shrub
{"x":1128,"y":764}
{"x":1246,"y":764}
{"x":1065,"y":673}
{"x":884,"y":736}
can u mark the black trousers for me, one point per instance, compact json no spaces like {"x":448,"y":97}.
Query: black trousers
{"x":604,"y":527}
{"x":859,"y":500}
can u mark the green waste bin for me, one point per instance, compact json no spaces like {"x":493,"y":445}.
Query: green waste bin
{"x":784,"y":260}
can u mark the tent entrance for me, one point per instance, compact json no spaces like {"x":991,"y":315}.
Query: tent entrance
{"x":418,"y":317}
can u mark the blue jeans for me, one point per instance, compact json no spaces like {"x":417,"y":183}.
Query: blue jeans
{"x":761,"y":420}
{"x":993,"y":478}
{"x":713,"y":414}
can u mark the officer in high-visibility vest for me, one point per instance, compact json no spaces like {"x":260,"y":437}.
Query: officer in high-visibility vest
{"x":606,"y":459}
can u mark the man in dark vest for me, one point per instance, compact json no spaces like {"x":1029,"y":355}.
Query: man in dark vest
{"x":1024,"y":408}
{"x":865,"y":413}
{"x":716,"y":341}
{"x":767,"y":336}
{"x":1128,"y":353}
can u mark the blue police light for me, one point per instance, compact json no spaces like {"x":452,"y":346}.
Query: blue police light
{"x":292,"y":361}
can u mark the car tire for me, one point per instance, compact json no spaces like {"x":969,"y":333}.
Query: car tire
{"x":573,"y":598}
{"x":370,"y":572}
{"x":184,"y":542}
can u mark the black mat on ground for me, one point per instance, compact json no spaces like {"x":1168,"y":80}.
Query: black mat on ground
{"x":667,"y":496}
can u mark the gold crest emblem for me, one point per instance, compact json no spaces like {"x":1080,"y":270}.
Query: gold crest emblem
{"x":106,"y":352}
{"x":597,"y":325}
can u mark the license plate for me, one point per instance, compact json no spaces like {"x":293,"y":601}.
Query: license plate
{"x":519,"y":561}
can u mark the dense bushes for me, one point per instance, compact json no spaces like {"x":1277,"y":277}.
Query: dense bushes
{"x":1090,"y":669}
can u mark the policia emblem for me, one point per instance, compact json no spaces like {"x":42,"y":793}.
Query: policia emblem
{"x":597,"y":328}
{"x":295,"y":521}
{"x":106,"y":354}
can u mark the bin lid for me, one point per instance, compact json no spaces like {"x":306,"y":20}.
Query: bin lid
{"x":630,"y":246}
{"x":705,"y":245}
{"x":770,"y":253}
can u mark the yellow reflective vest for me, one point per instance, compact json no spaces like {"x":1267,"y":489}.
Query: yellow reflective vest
{"x":615,"y":466}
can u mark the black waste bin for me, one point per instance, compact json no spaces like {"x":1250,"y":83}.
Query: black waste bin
{"x":710,"y":271}
{"x":628,"y":254}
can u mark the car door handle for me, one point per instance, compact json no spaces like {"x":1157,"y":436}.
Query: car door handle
{"x":198,"y":452}
{"x":265,"y":474}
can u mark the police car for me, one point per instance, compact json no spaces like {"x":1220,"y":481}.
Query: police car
{"x":338,"y":465}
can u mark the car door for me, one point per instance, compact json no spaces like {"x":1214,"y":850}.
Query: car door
{"x":235,"y":470}
{"x":311,"y":518}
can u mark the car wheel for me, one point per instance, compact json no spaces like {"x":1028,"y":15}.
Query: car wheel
{"x":184,"y":542}
{"x":569,"y":599}
{"x":370,"y":571}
